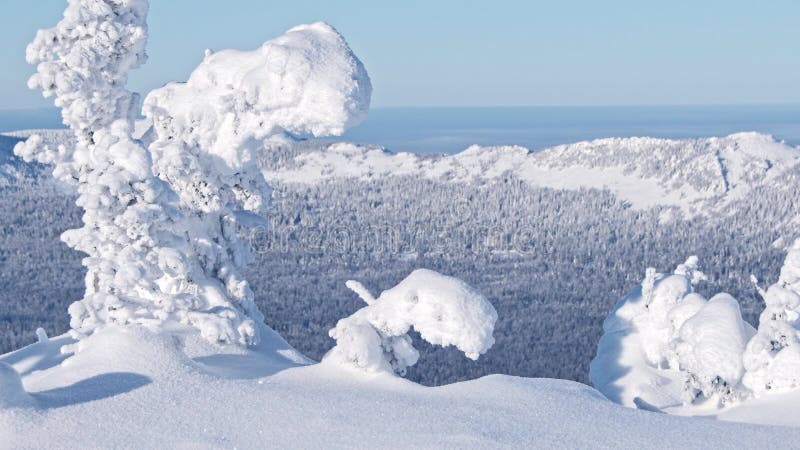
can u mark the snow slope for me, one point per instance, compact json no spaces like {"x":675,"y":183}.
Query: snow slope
{"x":166,"y":395}
{"x":691,"y":174}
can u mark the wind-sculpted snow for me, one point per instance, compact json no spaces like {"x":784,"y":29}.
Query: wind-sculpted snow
{"x":443,"y":310}
{"x":129,"y":388}
{"x":306,"y":82}
{"x":695,"y":175}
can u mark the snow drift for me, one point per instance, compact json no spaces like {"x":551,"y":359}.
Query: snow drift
{"x":184,"y":393}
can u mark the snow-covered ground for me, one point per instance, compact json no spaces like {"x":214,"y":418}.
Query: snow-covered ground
{"x":129,"y":388}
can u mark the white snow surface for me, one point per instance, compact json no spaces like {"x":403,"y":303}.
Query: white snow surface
{"x":130,"y":388}
{"x":689,"y":174}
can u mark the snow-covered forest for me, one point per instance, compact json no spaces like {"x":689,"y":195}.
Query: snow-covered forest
{"x":553,"y":260}
{"x":201,"y":265}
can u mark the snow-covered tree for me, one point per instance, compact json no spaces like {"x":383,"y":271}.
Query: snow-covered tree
{"x":161,"y":212}
{"x":211,"y":131}
{"x":84,"y":62}
{"x":443,"y":310}
{"x":664,"y":344}
{"x":772,"y":359}
{"x":709,"y":349}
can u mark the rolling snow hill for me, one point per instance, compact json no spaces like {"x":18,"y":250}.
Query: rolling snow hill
{"x":181,"y":393}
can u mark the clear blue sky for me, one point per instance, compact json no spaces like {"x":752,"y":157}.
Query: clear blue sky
{"x":482,"y":53}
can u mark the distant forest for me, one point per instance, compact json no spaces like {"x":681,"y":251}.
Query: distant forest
{"x":553,"y":262}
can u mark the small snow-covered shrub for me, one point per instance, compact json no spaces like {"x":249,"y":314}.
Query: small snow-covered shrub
{"x":664,"y":344}
{"x":443,"y":310}
{"x":772,"y":359}
{"x":709,"y":349}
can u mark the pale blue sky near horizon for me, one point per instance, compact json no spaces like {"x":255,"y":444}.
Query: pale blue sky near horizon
{"x":477,"y":53}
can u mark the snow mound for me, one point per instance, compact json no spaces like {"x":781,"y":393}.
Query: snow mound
{"x":690,"y":174}
{"x":12,"y":393}
{"x":170,"y":398}
{"x":444,"y":310}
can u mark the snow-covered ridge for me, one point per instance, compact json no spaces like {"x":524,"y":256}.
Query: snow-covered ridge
{"x":691,"y":174}
{"x":695,"y":175}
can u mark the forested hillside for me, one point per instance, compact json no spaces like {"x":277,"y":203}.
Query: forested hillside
{"x":551,"y":261}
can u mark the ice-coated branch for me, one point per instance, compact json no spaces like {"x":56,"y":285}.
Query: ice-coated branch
{"x":362,"y":292}
{"x":443,"y":310}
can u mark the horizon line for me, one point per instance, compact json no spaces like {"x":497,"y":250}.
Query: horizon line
{"x":546,"y":105}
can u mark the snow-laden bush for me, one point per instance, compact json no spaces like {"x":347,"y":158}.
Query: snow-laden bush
{"x":443,"y":310}
{"x":772,"y":359}
{"x":709,"y":349}
{"x":664,"y":344}
{"x":161,"y":212}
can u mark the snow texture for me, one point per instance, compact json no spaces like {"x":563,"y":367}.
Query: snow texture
{"x":12,"y":393}
{"x":443,"y":310}
{"x":172,"y":394}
